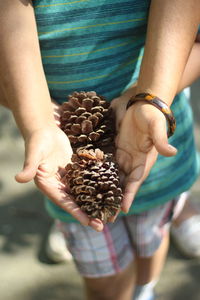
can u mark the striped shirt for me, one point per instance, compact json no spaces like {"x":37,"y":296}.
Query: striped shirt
{"x":98,"y":45}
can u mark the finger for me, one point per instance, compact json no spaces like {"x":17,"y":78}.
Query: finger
{"x":112,"y":219}
{"x":96,"y":224}
{"x":57,"y":118}
{"x":31,"y":164}
{"x":160,"y":139}
{"x":56,"y":112}
{"x":130,"y":195}
{"x":27,"y":174}
{"x":54,"y":191}
{"x":67,"y":203}
{"x":58,"y":123}
{"x":137,"y":177}
{"x":132,"y":185}
{"x":121,"y":177}
{"x":70,"y":206}
{"x":124,"y":160}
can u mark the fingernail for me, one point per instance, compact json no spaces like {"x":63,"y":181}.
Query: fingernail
{"x":170,"y":147}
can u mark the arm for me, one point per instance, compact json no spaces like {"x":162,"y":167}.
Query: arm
{"x":20,"y":57}
{"x":25,"y":91}
{"x":190,"y":74}
{"x":171,"y":33}
{"x":172,"y":28}
{"x":3,"y":101}
{"x":192,"y":69}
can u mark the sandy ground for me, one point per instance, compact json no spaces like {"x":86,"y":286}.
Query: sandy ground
{"x":25,"y":271}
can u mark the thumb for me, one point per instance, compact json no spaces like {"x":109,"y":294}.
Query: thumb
{"x":160,"y":139}
{"x":31,"y":164}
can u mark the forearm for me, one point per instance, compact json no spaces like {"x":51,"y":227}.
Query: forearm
{"x":172,"y":28}
{"x":23,"y":84}
{"x":192,"y":69}
{"x":190,"y":73}
{"x":3,"y":100}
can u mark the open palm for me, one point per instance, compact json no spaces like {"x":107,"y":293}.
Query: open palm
{"x":142,"y":135}
{"x":47,"y":152}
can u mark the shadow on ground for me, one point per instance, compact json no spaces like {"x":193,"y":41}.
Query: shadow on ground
{"x":21,"y":219}
{"x":26,"y":272}
{"x":180,"y":278}
{"x":54,"y":291}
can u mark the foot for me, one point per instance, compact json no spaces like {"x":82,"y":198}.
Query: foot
{"x":148,"y":294}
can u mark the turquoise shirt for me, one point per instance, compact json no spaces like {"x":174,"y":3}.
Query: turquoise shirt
{"x":98,"y":45}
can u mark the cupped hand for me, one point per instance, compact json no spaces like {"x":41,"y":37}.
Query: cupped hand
{"x":142,"y":135}
{"x":47,"y":152}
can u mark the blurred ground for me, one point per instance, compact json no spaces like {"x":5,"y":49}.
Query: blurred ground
{"x":25,"y":272}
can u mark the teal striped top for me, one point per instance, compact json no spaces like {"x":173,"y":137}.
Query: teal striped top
{"x":98,"y":45}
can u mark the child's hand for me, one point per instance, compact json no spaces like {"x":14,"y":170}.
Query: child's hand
{"x":142,"y":135}
{"x":47,"y":152}
{"x":119,"y":104}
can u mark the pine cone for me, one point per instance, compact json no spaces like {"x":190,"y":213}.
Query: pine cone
{"x":88,"y":119}
{"x":93,"y":180}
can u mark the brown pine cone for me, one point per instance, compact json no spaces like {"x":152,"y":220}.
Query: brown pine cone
{"x":88,"y":119}
{"x":93,"y":180}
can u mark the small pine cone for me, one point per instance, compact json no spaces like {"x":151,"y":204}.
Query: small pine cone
{"x":88,"y":119}
{"x":93,"y":179}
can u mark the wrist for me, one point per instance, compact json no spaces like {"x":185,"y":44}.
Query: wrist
{"x":31,"y":115}
{"x":161,"y":91}
{"x":40,"y":128}
{"x":131,"y":91}
{"x":35,"y":123}
{"x":159,"y":104}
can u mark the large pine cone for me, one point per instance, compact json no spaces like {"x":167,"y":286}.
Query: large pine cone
{"x":88,"y":119}
{"x":93,"y":180}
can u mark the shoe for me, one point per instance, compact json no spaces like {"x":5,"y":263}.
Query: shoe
{"x":56,"y":248}
{"x":145,"y":295}
{"x":186,"y":236}
{"x":145,"y":292}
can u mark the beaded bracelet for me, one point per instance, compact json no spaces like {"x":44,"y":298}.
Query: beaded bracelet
{"x":161,"y":105}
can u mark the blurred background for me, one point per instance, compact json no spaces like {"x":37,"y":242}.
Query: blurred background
{"x":25,"y":271}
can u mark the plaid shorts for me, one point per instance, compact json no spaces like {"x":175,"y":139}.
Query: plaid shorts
{"x":99,"y":254}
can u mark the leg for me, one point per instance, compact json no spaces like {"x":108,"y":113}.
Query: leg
{"x":189,"y":210}
{"x":185,"y":229}
{"x":149,"y":268}
{"x":149,"y":232}
{"x":117,"y":287}
{"x":105,"y":260}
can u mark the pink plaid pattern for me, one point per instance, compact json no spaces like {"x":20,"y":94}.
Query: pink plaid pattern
{"x":99,"y":254}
